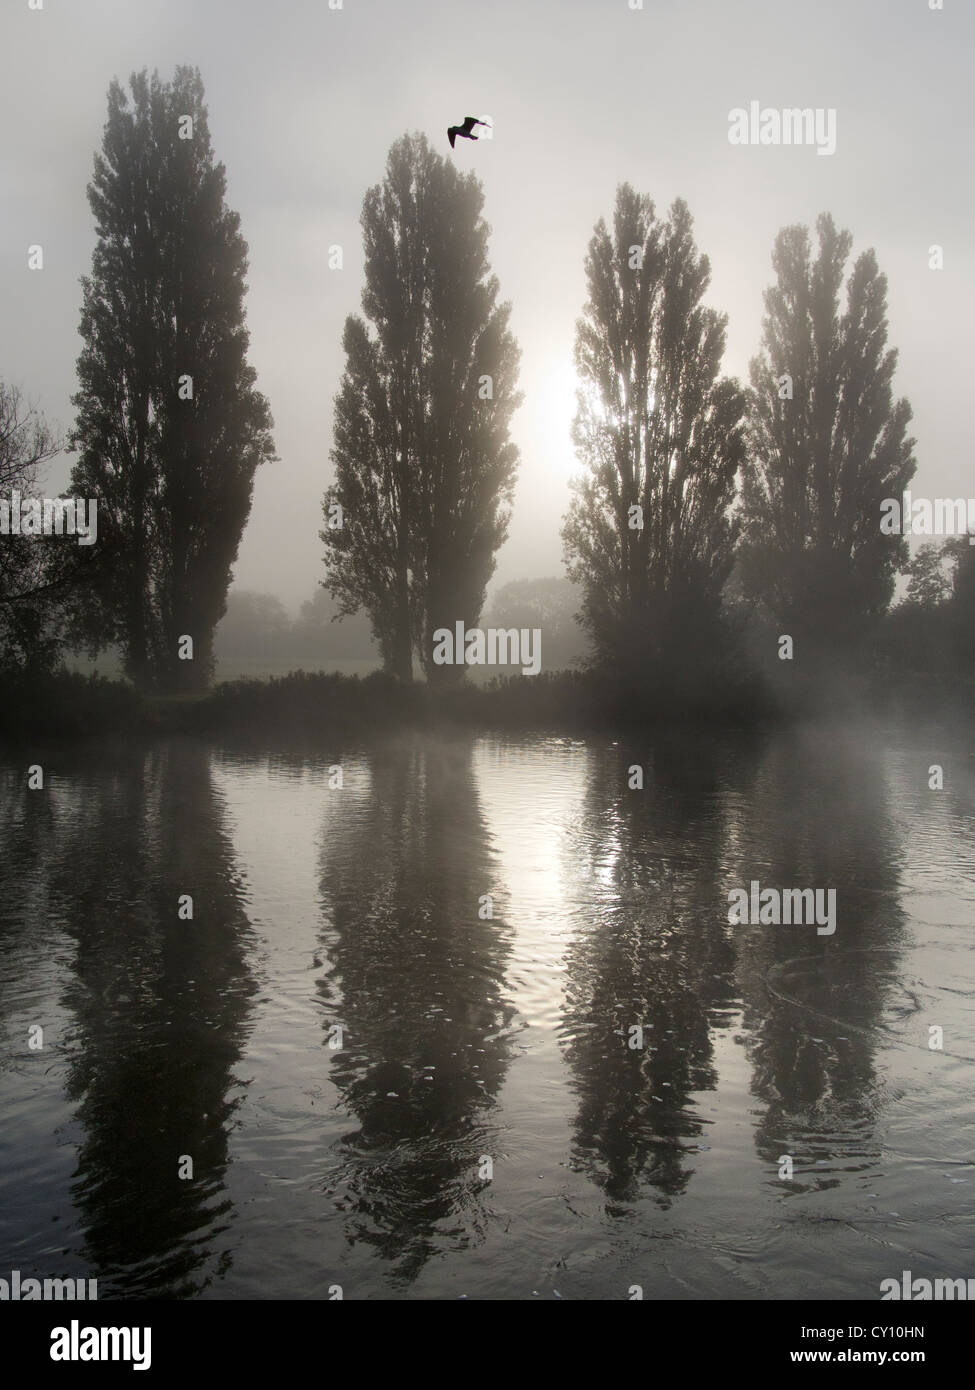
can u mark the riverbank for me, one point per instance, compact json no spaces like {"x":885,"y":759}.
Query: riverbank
{"x":68,"y":705}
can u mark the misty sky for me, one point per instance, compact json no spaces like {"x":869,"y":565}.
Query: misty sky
{"x":304,"y":103}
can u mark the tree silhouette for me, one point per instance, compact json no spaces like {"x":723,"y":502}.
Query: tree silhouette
{"x":930,"y":573}
{"x":823,"y":461}
{"x":161,"y":1009}
{"x":962,"y":608}
{"x":417,"y":980}
{"x":648,"y":534}
{"x":27,"y":578}
{"x":424,"y":466}
{"x":170,"y":429}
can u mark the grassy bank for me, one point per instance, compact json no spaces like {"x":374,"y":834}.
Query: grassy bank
{"x":72,"y":705}
{"x":305,"y":704}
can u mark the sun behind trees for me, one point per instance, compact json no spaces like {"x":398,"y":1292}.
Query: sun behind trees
{"x":649,"y":534}
{"x":690,"y":482}
{"x":170,"y":428}
{"x":424,"y":465}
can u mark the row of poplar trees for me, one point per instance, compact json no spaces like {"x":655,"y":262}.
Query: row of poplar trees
{"x":688,"y":479}
{"x":687,"y":476}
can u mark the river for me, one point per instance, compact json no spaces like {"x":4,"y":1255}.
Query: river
{"x":475,"y":1024}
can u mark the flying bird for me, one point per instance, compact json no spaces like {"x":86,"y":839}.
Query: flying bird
{"x":465,"y":131}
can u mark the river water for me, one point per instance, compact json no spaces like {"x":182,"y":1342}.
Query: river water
{"x":397,"y":1039}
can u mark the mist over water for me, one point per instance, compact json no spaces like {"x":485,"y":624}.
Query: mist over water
{"x":467,"y":1038}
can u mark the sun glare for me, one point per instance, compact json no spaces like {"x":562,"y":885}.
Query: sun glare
{"x":554,"y":407}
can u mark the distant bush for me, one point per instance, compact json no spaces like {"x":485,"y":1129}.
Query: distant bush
{"x":304,"y":702}
{"x":69,"y":705}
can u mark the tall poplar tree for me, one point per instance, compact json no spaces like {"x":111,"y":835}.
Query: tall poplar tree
{"x":170,"y":428}
{"x":829,"y":444}
{"x":649,"y":534}
{"x":424,"y":465}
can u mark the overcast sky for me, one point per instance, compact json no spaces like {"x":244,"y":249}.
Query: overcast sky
{"x":305,"y":101}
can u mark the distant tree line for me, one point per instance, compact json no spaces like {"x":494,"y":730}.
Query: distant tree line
{"x":710,"y":519}
{"x":931,"y":633}
{"x":256,"y":627}
{"x":28,"y":631}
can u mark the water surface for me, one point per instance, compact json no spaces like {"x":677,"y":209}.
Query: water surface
{"x":383,"y":1088}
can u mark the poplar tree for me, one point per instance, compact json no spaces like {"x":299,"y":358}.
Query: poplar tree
{"x":649,"y":534}
{"x":828,"y":444}
{"x":170,"y":429}
{"x":424,"y":467}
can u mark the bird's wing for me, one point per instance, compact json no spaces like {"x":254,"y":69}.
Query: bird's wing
{"x":451,"y":135}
